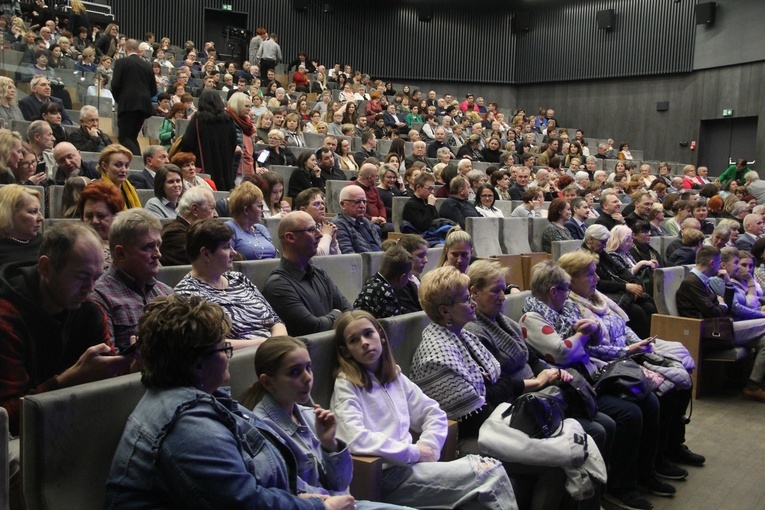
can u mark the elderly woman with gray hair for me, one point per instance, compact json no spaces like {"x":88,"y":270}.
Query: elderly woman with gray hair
{"x":619,"y":283}
{"x":555,"y":328}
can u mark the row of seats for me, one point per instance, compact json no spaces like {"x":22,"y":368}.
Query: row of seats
{"x":347,"y":271}
{"x":67,"y":454}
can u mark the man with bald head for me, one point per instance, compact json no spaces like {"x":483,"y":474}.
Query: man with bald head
{"x":355,"y":233}
{"x":303,"y":295}
{"x":70,"y":164}
{"x":438,"y":142}
{"x":367,"y":180}
{"x":419,"y":150}
{"x":133,"y":86}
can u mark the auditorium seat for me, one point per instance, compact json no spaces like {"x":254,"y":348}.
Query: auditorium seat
{"x":485,"y":234}
{"x":333,"y":195}
{"x":514,"y":236}
{"x":560,"y":248}
{"x":346,"y":271}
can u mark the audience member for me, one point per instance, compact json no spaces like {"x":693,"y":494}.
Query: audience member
{"x":168,"y":188}
{"x":130,"y":284}
{"x":302,"y":294}
{"x":753,"y":228}
{"x":114,"y":168}
{"x":355,"y":233}
{"x":208,"y":247}
{"x":52,"y":336}
{"x":196,"y":204}
{"x":696,"y":299}
{"x":457,"y":207}
{"x":133,"y":87}
{"x":154,"y":156}
{"x":70,"y":163}
{"x":379,"y":295}
{"x":251,"y":240}
{"x":41,"y":93}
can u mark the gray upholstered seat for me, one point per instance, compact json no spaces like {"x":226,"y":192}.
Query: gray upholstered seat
{"x":68,"y":439}
{"x":171,"y":275}
{"x":514,"y":236}
{"x":485,"y":234}
{"x":562,"y":247}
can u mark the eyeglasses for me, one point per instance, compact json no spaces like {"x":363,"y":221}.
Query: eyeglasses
{"x":487,"y":196}
{"x":311,"y":230}
{"x":358,"y":201}
{"x":228,"y":349}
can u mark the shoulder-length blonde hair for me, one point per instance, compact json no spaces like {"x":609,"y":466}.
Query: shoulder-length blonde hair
{"x":352,"y":370}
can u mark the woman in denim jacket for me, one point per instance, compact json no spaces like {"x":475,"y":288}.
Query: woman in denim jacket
{"x":189,"y":445}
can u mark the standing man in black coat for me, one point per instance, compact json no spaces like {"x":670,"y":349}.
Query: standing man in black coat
{"x":133,"y":86}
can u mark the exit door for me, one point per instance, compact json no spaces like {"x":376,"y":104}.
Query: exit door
{"x":723,"y":140}
{"x":228,"y":30}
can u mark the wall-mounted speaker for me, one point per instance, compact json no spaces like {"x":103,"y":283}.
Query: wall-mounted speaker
{"x":662,"y":106}
{"x":300,"y":5}
{"x":425,"y":13}
{"x":705,"y":13}
{"x":606,"y":19}
{"x":521,"y":22}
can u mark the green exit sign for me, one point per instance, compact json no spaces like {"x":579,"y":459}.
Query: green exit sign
{"x":727,"y":113}
{"x":226,"y":7}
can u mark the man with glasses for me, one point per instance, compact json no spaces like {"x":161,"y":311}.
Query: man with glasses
{"x":420,"y":210}
{"x":303,"y":295}
{"x":355,"y":233}
{"x":196,"y":204}
{"x":375,"y":212}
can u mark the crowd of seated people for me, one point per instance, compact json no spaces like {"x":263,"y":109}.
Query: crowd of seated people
{"x":249,"y":128}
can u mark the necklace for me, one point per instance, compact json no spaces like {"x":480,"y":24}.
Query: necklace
{"x":249,"y":234}
{"x":20,"y":241}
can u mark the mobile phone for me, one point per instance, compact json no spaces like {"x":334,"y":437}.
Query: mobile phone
{"x":652,"y":339}
{"x":263,"y":156}
{"x":130,"y":349}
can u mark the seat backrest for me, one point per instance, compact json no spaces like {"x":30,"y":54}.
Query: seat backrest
{"x":321,"y":348}
{"x":506,"y":206}
{"x":285,"y":172}
{"x":56,"y":193}
{"x":272,"y":224}
{"x":666,"y":282}
{"x":562,"y":247}
{"x":514,"y":304}
{"x":313,"y":140}
{"x":241,"y":369}
{"x":405,"y":334}
{"x":398,"y":212}
{"x":333,"y":195}
{"x":370,"y":262}
{"x":346,"y":271}
{"x":536,"y":227}
{"x":656,"y":243}
{"x":68,"y":439}
{"x":4,"y":458}
{"x":144,"y":195}
{"x":514,"y":236}
{"x":485,"y":234}
{"x":171,"y":275}
{"x":257,"y":271}
{"x":433,"y":255}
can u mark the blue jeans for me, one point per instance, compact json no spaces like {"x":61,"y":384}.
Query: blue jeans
{"x":469,"y":482}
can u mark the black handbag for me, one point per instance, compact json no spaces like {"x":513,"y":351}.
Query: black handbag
{"x":537,"y":414}
{"x":579,"y":396}
{"x":717,"y":333}
{"x":623,"y":378}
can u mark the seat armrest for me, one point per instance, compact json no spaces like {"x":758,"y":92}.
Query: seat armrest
{"x":367,"y":478}
{"x":684,"y":330}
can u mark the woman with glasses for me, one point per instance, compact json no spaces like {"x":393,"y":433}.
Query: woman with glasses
{"x":208,"y":245}
{"x":484,"y":202}
{"x":187,"y":440}
{"x":311,"y":201}
{"x":278,"y":153}
{"x":555,"y":328}
{"x":251,"y":240}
